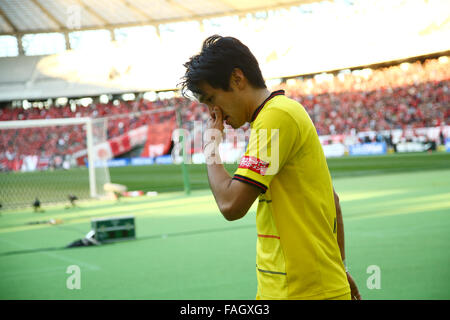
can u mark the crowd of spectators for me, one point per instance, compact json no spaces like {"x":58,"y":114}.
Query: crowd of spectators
{"x":399,"y":97}
{"x":409,"y":95}
{"x":56,"y":142}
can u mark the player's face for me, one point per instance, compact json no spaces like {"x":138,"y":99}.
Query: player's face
{"x":227,"y":101}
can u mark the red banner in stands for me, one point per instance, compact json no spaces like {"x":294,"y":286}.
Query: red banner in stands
{"x":120,"y":144}
{"x":10,"y":165}
{"x":123,"y":143}
{"x":159,"y":138}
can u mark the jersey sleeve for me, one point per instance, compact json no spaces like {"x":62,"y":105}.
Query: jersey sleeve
{"x":272,"y":139}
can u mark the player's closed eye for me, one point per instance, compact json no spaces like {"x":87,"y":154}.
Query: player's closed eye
{"x":209,"y":100}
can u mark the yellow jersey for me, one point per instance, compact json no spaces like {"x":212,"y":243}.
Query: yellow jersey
{"x":298,"y":256}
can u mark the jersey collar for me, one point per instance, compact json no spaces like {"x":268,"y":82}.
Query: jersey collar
{"x":273,"y":94}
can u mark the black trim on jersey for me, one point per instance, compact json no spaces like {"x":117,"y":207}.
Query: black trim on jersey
{"x":273,"y":94}
{"x":251,"y":182}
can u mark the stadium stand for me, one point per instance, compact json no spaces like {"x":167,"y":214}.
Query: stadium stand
{"x":409,"y":95}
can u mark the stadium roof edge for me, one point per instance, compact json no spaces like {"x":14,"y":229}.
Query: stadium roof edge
{"x":97,"y":91}
{"x":108,"y":25}
{"x":374,"y":65}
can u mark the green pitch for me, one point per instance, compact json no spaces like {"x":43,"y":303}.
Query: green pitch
{"x":396,"y":213}
{"x":55,"y":186}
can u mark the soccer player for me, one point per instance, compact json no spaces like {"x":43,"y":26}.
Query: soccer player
{"x":300,"y":234}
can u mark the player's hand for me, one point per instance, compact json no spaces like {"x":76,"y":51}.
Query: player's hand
{"x":354,"y":289}
{"x":213,"y":135}
{"x":214,"y":127}
{"x":215,"y":120}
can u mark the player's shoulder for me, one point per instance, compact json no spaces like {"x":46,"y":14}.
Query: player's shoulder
{"x":280,"y":109}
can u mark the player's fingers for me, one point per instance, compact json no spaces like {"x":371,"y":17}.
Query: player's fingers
{"x":218,"y":114}
{"x":210,"y":122}
{"x":355,"y":294}
{"x":211,"y":113}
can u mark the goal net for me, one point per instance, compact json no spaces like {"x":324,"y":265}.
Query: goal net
{"x":51,"y":160}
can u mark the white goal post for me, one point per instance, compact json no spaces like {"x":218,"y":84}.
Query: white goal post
{"x":93,"y":132}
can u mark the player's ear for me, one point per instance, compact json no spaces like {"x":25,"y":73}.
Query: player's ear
{"x":237,"y":79}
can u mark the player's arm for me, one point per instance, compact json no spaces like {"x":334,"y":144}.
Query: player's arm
{"x":233,"y":197}
{"x":340,"y":226}
{"x":341,"y":242}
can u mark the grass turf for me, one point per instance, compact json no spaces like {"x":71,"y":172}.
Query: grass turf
{"x":169,"y":178}
{"x":397,"y":221}
{"x":55,"y":186}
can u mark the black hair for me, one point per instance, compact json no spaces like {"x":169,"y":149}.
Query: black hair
{"x":215,"y":63}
